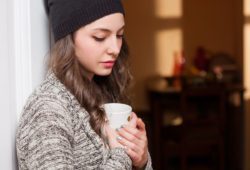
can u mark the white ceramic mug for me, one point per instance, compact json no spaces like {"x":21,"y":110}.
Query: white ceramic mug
{"x":118,"y":114}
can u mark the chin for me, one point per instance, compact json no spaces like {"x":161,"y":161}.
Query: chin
{"x":104,"y":73}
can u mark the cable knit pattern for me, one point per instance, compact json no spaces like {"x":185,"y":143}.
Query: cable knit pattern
{"x":55,"y":133}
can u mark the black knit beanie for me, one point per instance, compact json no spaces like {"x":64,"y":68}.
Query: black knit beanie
{"x":67,"y":16}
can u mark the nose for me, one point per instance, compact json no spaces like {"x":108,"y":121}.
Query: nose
{"x":114,"y":46}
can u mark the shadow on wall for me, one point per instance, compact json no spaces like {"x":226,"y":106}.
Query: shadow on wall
{"x":140,"y":36}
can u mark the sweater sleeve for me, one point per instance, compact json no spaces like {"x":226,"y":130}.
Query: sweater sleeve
{"x":116,"y":159}
{"x":46,"y":141}
{"x":49,"y":140}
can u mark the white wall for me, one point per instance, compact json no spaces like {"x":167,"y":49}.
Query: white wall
{"x":39,"y":40}
{"x":7,"y":91}
{"x":24,"y":43}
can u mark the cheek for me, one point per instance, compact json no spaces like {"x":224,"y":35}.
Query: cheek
{"x":84,"y":50}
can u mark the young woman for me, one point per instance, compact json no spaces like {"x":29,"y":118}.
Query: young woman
{"x":63,"y":125}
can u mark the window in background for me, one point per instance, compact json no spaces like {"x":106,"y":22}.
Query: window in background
{"x":246,"y":47}
{"x":247,"y":59}
{"x":247,"y":8}
{"x":168,"y":39}
{"x":174,"y":8}
{"x":168,"y":42}
{"x":246,"y":62}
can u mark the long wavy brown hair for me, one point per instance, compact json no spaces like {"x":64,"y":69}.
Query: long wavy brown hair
{"x":91,"y":94}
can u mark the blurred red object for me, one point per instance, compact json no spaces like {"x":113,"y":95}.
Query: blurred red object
{"x":201,"y":61}
{"x":179,"y":63}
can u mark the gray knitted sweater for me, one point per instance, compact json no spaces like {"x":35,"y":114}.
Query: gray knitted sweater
{"x":55,"y":133}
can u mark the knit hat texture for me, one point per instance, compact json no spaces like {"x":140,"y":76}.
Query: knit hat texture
{"x":67,"y":16}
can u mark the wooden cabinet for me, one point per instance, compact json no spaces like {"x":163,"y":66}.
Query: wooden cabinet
{"x":193,"y":125}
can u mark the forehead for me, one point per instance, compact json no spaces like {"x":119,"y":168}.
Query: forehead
{"x":111,"y":22}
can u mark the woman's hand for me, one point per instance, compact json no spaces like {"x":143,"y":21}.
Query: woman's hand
{"x":133,"y":137}
{"x":112,"y":136}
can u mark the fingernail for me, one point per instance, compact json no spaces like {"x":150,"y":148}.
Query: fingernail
{"x":119,"y":138}
{"x":122,"y":126}
{"x":117,"y":129}
{"x":125,"y":147}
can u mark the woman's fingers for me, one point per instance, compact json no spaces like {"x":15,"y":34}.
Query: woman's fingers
{"x":134,"y":138}
{"x":130,"y":133}
{"x":135,"y":146}
{"x":136,"y":122}
{"x":111,"y":136}
{"x":133,"y":120}
{"x":139,"y":133}
{"x":133,"y":155}
{"x":134,"y":152}
{"x":141,"y":125}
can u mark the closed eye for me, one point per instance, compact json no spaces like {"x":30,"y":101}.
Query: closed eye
{"x":120,"y":36}
{"x":99,"y":39}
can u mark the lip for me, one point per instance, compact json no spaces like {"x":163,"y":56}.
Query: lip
{"x":108,"y":64}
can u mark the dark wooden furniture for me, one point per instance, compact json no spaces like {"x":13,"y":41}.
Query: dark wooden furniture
{"x":193,"y":124}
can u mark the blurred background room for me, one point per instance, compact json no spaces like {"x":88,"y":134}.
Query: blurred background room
{"x":190,"y":61}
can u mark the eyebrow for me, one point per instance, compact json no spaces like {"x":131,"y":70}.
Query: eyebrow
{"x":108,"y":30}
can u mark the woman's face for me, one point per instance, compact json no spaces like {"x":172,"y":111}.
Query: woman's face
{"x":98,"y":44}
